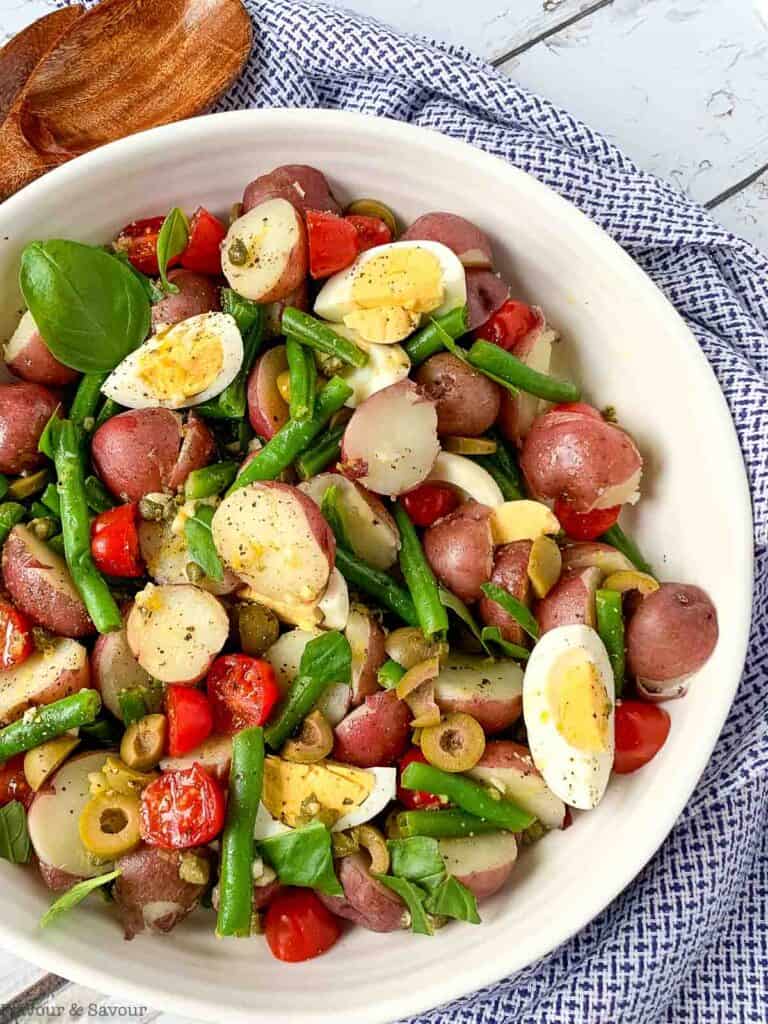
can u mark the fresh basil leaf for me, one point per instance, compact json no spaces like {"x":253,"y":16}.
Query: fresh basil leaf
{"x":303,"y":857}
{"x":14,"y":837}
{"x":492,"y":634}
{"x":132,"y":705}
{"x":231,"y":403}
{"x":452,"y":899}
{"x":415,"y":858}
{"x":333,"y":513}
{"x":49,"y":439}
{"x":327,"y":657}
{"x":516,"y":609}
{"x":89,"y":308}
{"x":171,"y":241}
{"x":199,"y":537}
{"x":413,"y":897}
{"x":247,"y":313}
{"x":76,"y":895}
{"x":104,"y":732}
{"x":431,"y":882}
{"x":153,"y":293}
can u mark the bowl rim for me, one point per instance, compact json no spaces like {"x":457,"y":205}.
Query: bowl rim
{"x":206,"y":129}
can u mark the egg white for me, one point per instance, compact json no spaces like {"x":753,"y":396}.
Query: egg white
{"x":387,"y":364}
{"x":126,"y":388}
{"x":578,"y":777}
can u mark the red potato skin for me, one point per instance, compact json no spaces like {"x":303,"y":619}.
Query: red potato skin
{"x":493,"y":715}
{"x":365,"y":683}
{"x":571,"y":601}
{"x":671,"y":635}
{"x":365,"y":901}
{"x":459,"y":548}
{"x":508,"y":420}
{"x":460,"y":235}
{"x":510,"y":571}
{"x":55,"y":879}
{"x":197,"y":294}
{"x":485,"y":883}
{"x":467,"y":402}
{"x":374,"y":734}
{"x":298,"y":299}
{"x":24,"y":411}
{"x":62,"y":612}
{"x":576,"y":456}
{"x":64,"y":686}
{"x":267,"y":411}
{"x":303,"y":186}
{"x":486,"y":293}
{"x":35,"y":363}
{"x":148,"y":875}
{"x":585,"y":553}
{"x":198,"y":449}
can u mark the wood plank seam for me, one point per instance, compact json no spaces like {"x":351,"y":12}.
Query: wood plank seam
{"x":551,"y":31}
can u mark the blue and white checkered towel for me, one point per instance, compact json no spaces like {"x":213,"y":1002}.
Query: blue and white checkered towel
{"x":688,"y":941}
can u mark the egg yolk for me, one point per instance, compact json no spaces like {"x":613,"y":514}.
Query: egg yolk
{"x":385,"y":324}
{"x":182,"y":364}
{"x":410,"y":278}
{"x":580,"y":704}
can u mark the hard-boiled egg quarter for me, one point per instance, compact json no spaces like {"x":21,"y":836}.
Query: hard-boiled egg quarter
{"x":385,"y":293}
{"x":179,"y":366}
{"x":568,"y":705}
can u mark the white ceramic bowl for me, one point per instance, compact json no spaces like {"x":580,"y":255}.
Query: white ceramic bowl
{"x":630,"y":349}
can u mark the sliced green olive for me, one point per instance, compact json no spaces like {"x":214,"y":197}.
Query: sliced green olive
{"x":25,"y":486}
{"x":314,"y":742}
{"x":143,"y":742}
{"x":118,"y":777}
{"x":257,"y":627}
{"x":408,"y":646}
{"x":373,"y":208}
{"x":455,"y":745}
{"x":41,"y":762}
{"x":109,"y":825}
{"x":374,"y":842}
{"x":344,"y":843}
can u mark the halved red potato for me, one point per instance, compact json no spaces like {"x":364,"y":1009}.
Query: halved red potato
{"x":373,"y":533}
{"x":482,"y":863}
{"x":509,"y":768}
{"x":486,"y":293}
{"x":27,"y":356}
{"x":267,"y":409}
{"x":166,"y":556}
{"x":197,"y":294}
{"x":376,"y":733}
{"x":518,"y":412}
{"x":175,"y":632}
{"x":214,"y":755}
{"x":467,"y":401}
{"x":285,"y":656}
{"x":334,"y":604}
{"x":586,"y":553}
{"x":44,"y":677}
{"x":366,"y":901}
{"x":459,"y":548}
{"x":571,"y":601}
{"x":264,"y":256}
{"x":298,"y":299}
{"x":366,"y":640}
{"x":40,"y":584}
{"x":510,"y":571}
{"x":114,"y":668}
{"x":490,"y":691}
{"x":150,"y":894}
{"x":304,"y":186}
{"x":577,"y":455}
{"x":24,"y":411}
{"x":53,"y":819}
{"x":460,"y":235}
{"x":669,"y":637}
{"x":390,"y":444}
{"x":142,"y":451}
{"x":274,"y":538}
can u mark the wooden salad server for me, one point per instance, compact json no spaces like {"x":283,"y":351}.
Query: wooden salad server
{"x":120,"y":68}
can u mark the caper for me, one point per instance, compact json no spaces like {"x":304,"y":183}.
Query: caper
{"x":109,"y":825}
{"x":455,"y":745}
{"x":238,"y":252}
{"x":257,"y":627}
{"x":43,"y":528}
{"x":373,"y":208}
{"x":314,"y":742}
{"x":194,"y":573}
{"x":153,"y":507}
{"x":143,"y":742}
{"x":328,"y":365}
{"x":194,"y":868}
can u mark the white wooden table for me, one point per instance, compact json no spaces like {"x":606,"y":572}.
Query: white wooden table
{"x":680,"y":85}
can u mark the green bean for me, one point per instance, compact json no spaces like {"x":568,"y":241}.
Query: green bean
{"x":468,"y":795}
{"x":506,"y":460}
{"x":430,"y":339}
{"x":610,"y":626}
{"x":48,"y":721}
{"x":50,"y":499}
{"x":421,"y":581}
{"x":132,"y":706}
{"x":516,"y":608}
{"x":290,"y":440}
{"x":83,"y":408}
{"x":376,"y":584}
{"x":3,"y":485}
{"x":303,"y":376}
{"x":452,"y":824}
{"x":322,"y":453}
{"x":304,"y":693}
{"x":493,"y":360}
{"x":97,"y":495}
{"x":210,"y":480}
{"x":246,"y":779}
{"x":11,"y":513}
{"x":390,"y":674}
{"x":108,"y":409}
{"x":616,"y":537}
{"x":76,"y":528}
{"x":251,"y":319}
{"x":247,"y":313}
{"x":508,"y":487}
{"x":315,"y":334}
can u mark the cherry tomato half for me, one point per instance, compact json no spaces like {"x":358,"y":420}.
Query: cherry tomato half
{"x":298,"y":926}
{"x":115,"y":542}
{"x":138,"y":240}
{"x":585,"y":525}
{"x":333,"y":243}
{"x":190,"y":718}
{"x":371,"y":231}
{"x":242,"y":691}
{"x":203,"y":252}
{"x":13,"y":782}
{"x":427,"y":503}
{"x":16,"y":642}
{"x":509,"y":324}
{"x":181,"y":809}
{"x":641,"y":732}
{"x":415,"y":799}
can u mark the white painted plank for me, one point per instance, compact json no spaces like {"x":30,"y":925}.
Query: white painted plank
{"x":680,"y":85}
{"x":746,"y":213}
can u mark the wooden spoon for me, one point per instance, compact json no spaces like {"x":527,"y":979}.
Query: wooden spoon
{"x":120,"y":68}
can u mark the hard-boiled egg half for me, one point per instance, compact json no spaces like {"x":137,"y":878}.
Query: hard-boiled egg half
{"x":179,"y":366}
{"x":385,"y":293}
{"x":568,"y":705}
{"x":387,"y":364}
